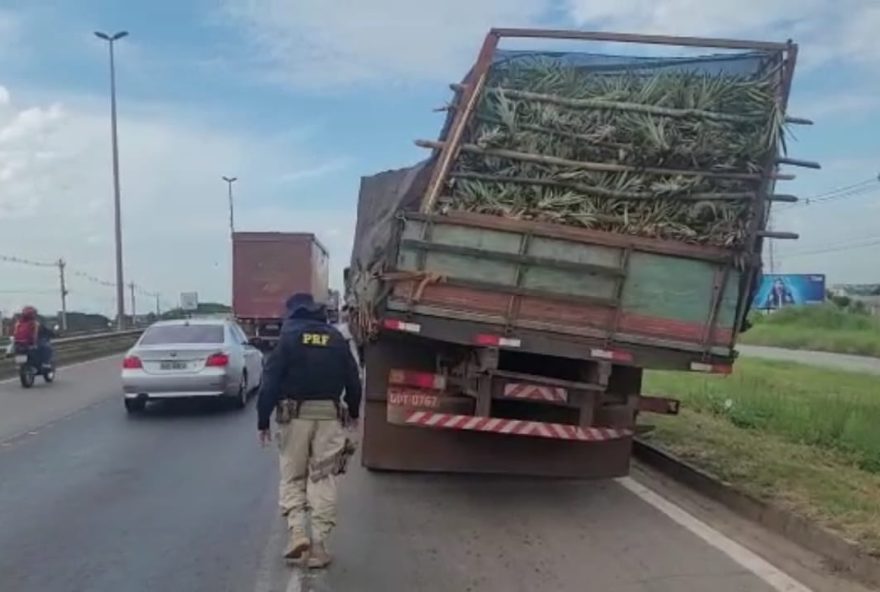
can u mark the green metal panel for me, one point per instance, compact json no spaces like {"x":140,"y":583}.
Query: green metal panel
{"x":569,"y":282}
{"x":727,"y":311}
{"x":408,"y":260}
{"x":412,"y":229}
{"x":576,"y":252}
{"x":471,"y":268}
{"x":478,"y":238}
{"x":671,"y":288}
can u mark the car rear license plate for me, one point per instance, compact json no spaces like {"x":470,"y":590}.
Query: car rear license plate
{"x":172,"y":365}
{"x":20,"y":359}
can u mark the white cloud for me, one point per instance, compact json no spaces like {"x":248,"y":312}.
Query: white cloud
{"x":690,"y":17}
{"x":308,"y":44}
{"x":848,"y":104}
{"x":56,"y":197}
{"x":315,"y":171}
{"x":844,"y":29}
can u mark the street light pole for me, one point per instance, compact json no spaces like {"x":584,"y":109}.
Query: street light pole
{"x":120,"y":285}
{"x":229,"y":182}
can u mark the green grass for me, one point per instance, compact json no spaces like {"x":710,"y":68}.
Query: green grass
{"x":822,"y":328}
{"x":804,"y":438}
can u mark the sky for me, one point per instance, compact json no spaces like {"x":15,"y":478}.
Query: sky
{"x":300,"y":98}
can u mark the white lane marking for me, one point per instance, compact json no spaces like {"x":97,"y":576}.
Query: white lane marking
{"x":268,"y":558}
{"x":775,"y":578}
{"x":71,"y":366}
{"x":295,"y":584}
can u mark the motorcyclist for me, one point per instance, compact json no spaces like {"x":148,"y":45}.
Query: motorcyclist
{"x":31,"y":337}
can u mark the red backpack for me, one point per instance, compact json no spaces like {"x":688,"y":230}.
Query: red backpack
{"x":26,"y":332}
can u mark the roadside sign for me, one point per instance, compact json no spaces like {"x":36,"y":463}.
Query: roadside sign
{"x":189,"y":301}
{"x":781,"y":290}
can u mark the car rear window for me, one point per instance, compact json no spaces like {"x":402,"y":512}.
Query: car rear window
{"x":183,"y":334}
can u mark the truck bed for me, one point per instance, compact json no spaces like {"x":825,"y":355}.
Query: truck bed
{"x":613,"y":290}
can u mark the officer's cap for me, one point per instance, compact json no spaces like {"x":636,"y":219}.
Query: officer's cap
{"x":302,"y":302}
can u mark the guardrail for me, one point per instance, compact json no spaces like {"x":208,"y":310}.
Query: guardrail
{"x":80,"y":348}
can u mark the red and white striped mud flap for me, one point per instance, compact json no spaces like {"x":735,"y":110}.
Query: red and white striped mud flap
{"x":535,"y":392}
{"x":514,"y":427}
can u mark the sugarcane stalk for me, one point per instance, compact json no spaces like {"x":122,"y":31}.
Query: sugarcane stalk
{"x":598,"y":166}
{"x":601,"y":191}
{"x":621,"y":106}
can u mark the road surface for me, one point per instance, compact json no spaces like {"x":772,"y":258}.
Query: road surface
{"x":182,"y":499}
{"x":848,"y":362}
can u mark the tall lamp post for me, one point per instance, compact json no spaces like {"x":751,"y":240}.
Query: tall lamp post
{"x":229,"y":182}
{"x":120,"y":286}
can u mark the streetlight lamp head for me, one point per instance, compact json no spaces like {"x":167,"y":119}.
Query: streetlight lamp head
{"x":114,"y":37}
{"x":230,"y":179}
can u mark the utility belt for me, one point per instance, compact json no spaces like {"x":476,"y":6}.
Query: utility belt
{"x":319,"y":409}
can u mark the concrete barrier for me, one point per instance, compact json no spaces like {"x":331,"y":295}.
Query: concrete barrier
{"x":69,"y":350}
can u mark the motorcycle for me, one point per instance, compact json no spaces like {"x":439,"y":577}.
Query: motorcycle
{"x":28,"y":369}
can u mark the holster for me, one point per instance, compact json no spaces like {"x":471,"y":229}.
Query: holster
{"x":287,"y":410}
{"x":334,"y":465}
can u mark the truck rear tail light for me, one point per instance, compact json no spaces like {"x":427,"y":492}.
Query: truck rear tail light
{"x":711,"y":368}
{"x":426,"y":380}
{"x":497,"y":341}
{"x":395,"y":325}
{"x":612,"y":355}
{"x":217,"y":360}
{"x":132,"y":363}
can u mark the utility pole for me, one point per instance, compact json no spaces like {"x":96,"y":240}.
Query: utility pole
{"x":61,"y":266}
{"x":133,"y":309}
{"x":120,"y":285}
{"x":229,"y":182}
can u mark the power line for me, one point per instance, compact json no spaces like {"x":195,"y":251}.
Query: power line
{"x":845,"y":192}
{"x":28,"y":262}
{"x":60,"y":264}
{"x":846,"y":246}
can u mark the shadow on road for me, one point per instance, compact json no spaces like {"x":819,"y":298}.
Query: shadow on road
{"x":190,"y":408}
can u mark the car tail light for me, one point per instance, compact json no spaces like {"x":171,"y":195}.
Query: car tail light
{"x":217,"y":360}
{"x":132,"y":363}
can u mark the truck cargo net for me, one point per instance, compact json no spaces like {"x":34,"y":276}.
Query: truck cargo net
{"x":671,"y":148}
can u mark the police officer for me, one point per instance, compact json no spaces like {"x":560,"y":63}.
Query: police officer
{"x":303,"y":382}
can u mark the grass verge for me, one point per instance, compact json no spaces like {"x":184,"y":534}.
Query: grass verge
{"x":821,"y":328}
{"x":798,"y":437}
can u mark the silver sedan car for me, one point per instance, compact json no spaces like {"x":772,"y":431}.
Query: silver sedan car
{"x":191,"y":358}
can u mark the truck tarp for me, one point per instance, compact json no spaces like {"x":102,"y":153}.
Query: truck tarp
{"x":380,"y":199}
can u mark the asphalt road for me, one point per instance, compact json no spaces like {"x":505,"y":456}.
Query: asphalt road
{"x":182,"y":499}
{"x":848,"y":362}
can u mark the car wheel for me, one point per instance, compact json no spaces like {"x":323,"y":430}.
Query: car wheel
{"x":242,"y":398}
{"x":133,"y":406}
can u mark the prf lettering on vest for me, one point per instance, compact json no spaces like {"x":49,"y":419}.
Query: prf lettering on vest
{"x":315,"y":339}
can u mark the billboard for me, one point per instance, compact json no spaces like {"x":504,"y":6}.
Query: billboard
{"x":781,"y":290}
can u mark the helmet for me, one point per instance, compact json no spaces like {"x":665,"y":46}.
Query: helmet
{"x":28,"y":312}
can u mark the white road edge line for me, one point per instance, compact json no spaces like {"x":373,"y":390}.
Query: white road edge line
{"x":775,"y":578}
{"x":70,"y":366}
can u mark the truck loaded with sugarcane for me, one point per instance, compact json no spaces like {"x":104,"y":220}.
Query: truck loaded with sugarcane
{"x":581,"y":218}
